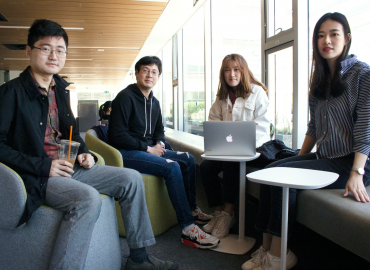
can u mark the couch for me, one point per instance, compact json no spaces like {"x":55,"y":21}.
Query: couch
{"x":31,"y":245}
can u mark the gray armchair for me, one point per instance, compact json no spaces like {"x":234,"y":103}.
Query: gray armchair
{"x":31,"y":246}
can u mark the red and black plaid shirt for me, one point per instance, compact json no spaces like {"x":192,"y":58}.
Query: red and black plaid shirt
{"x":52,"y":134}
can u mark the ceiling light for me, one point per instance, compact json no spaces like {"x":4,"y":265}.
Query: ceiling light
{"x":164,"y":1}
{"x":27,"y":27}
{"x":66,"y":59}
{"x":75,"y":74}
{"x":98,"y":67}
{"x":126,"y":48}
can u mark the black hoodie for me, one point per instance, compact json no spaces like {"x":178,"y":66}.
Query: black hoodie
{"x":135,"y":121}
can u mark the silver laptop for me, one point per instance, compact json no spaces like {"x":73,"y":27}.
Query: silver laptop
{"x":229,"y":138}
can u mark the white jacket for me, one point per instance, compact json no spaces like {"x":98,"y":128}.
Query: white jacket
{"x":255,"y":107}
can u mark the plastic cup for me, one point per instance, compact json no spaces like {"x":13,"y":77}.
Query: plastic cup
{"x":64,"y":149}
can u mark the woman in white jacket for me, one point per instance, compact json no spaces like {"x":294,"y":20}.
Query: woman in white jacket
{"x":240,"y":97}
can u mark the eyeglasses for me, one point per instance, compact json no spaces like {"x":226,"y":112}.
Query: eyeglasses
{"x":153,"y":72}
{"x":47,"y":51}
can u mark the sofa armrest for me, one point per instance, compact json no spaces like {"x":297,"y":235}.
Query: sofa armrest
{"x":13,"y":197}
{"x":101,"y":160}
{"x":111,"y":155}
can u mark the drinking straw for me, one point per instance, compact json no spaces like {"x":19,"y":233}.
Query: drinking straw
{"x":70,"y":139}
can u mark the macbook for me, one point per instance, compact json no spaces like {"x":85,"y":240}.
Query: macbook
{"x":229,"y":138}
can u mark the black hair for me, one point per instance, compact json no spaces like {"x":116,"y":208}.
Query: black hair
{"x":104,"y":109}
{"x":319,"y":85}
{"x":148,"y":61}
{"x":44,"y":28}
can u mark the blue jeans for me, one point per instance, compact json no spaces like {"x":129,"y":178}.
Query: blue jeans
{"x":178,"y":169}
{"x":271,"y":197}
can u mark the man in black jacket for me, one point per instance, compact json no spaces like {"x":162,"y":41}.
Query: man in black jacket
{"x":136,"y":130}
{"x":35,"y":115}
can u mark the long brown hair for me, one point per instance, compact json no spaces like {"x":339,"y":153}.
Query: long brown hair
{"x":244,"y":87}
{"x":319,"y":85}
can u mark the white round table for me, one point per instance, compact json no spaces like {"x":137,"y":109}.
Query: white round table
{"x":291,"y":178}
{"x":236,"y":244}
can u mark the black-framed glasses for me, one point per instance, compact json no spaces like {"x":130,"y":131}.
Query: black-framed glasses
{"x":47,"y":51}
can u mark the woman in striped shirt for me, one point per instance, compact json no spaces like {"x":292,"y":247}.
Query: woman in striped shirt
{"x":339,"y":126}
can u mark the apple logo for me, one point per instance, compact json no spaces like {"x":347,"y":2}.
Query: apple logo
{"x":229,"y":138}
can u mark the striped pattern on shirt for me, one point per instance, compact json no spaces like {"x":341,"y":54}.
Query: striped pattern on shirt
{"x":341,"y":125}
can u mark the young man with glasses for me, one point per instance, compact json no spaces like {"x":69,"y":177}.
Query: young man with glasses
{"x":136,"y":130}
{"x":35,"y":115}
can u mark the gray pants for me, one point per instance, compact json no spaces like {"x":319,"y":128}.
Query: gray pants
{"x":78,"y":197}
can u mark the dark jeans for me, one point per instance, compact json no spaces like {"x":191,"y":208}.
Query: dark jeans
{"x":270,"y":207}
{"x":178,"y":169}
{"x":216,"y":195}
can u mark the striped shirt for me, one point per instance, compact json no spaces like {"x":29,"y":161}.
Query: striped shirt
{"x":341,"y":125}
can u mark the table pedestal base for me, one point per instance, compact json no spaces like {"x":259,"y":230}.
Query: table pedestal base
{"x":232,"y":245}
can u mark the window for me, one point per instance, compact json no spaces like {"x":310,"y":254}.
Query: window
{"x":193,"y":74}
{"x":167,"y":96}
{"x":236,"y":28}
{"x":157,"y":89}
{"x":279,"y":16}
{"x":280,"y":86}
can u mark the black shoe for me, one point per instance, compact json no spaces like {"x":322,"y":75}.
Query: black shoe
{"x":151,"y":263}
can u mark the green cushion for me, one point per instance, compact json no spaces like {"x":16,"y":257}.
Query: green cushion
{"x":161,"y":213}
{"x":112,"y":156}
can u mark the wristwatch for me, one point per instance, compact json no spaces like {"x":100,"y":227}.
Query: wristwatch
{"x":359,"y":170}
{"x":162,"y":143}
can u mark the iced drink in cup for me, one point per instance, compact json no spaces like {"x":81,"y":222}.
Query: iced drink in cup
{"x":64,"y":149}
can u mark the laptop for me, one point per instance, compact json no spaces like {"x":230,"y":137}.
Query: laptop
{"x":229,"y":138}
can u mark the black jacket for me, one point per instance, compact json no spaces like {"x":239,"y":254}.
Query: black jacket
{"x":23,"y":118}
{"x":135,"y":121}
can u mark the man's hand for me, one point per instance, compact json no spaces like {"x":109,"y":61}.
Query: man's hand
{"x":157,"y":150}
{"x":355,"y":185}
{"x":61,"y":168}
{"x":86,"y":160}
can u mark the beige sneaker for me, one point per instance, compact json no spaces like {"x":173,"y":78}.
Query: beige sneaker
{"x":223,"y":225}
{"x":208,"y":228}
{"x":256,"y":259}
{"x":270,"y":262}
{"x":200,"y":217}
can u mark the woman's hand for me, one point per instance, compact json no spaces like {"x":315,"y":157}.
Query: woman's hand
{"x":355,"y":185}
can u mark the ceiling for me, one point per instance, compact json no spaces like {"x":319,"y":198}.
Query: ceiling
{"x":118,"y":27}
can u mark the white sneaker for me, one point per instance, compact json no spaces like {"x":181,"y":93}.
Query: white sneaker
{"x":200,"y":217}
{"x":256,"y":259}
{"x":223,"y":225}
{"x":270,"y":262}
{"x":197,"y":238}
{"x":212,"y":223}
